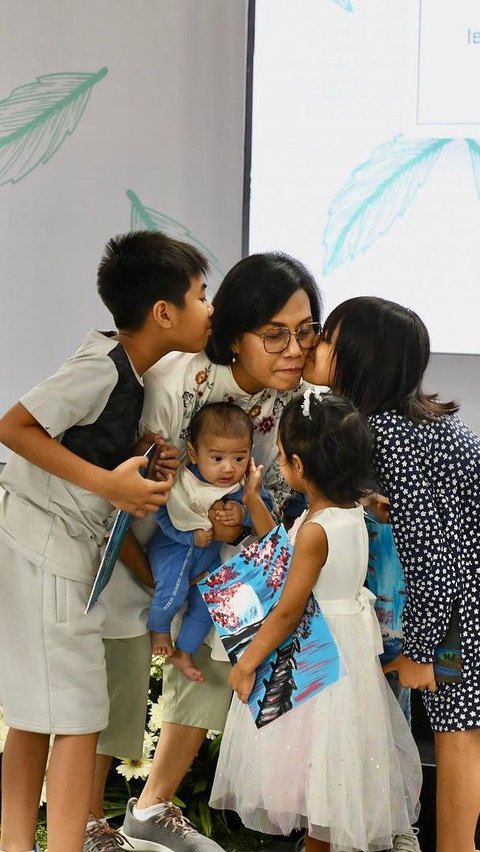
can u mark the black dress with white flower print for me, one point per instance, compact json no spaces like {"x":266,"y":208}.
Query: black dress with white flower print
{"x":430,"y":472}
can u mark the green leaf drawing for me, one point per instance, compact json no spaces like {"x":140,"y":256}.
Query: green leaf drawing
{"x":37,"y":117}
{"x":145,"y":218}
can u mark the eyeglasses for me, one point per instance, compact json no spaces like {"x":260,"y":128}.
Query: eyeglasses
{"x":276,"y":340}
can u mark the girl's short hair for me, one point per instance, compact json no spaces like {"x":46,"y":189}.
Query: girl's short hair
{"x":334,"y":444}
{"x":380,"y":354}
{"x":254,"y":290}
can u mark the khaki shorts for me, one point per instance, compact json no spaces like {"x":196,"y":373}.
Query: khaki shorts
{"x":198,"y":705}
{"x":52,"y":663}
{"x":128,"y":675}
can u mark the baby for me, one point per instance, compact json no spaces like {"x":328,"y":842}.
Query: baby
{"x":183,"y":549}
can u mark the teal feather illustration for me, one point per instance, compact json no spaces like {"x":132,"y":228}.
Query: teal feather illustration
{"x":344,"y":4}
{"x":36,"y":118}
{"x":474,"y":148}
{"x":377,"y":193}
{"x":151,"y":220}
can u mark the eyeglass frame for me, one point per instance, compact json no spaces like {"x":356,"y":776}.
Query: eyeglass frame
{"x":290,"y":335}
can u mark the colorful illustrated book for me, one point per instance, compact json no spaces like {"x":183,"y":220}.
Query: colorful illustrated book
{"x":385,"y":578}
{"x":240,"y":594}
{"x":114,"y":543}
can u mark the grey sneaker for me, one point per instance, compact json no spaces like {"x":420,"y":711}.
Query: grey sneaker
{"x":406,"y":842}
{"x":101,"y":837}
{"x":168,"y":830}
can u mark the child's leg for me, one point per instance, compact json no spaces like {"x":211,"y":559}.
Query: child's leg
{"x":458,"y":789}
{"x":196,"y":625}
{"x":170,"y":568}
{"x":23,"y":769}
{"x":314,"y":845}
{"x":69,"y":789}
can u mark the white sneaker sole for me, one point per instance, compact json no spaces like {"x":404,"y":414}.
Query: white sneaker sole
{"x":143,"y":845}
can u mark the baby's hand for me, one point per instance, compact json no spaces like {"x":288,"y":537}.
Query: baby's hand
{"x":231,"y":514}
{"x":222,"y":532}
{"x":127,"y":490}
{"x":202,"y":538}
{"x":241,"y":682}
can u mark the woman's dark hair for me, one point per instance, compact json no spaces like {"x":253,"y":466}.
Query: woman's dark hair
{"x":333,"y":442}
{"x":254,"y":290}
{"x":381,"y":352}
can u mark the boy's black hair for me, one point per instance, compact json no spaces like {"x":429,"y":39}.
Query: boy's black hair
{"x":334,"y":444}
{"x":254,"y":290}
{"x":222,"y":419}
{"x":381,"y":352}
{"x":142,"y":267}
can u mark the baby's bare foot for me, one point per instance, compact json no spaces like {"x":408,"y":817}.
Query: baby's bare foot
{"x":185,"y":664}
{"x":162,"y":644}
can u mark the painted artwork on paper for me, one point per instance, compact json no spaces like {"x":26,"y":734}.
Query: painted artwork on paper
{"x":240,"y":595}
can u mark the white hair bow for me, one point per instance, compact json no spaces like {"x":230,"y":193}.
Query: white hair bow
{"x":317,"y":393}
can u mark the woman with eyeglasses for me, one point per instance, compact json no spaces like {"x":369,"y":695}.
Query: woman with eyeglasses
{"x":266,"y":320}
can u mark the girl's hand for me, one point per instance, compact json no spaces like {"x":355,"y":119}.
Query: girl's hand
{"x":231,"y":514}
{"x":253,"y":483}
{"x":241,"y":682}
{"x":412,"y":674}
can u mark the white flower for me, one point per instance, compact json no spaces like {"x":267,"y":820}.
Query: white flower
{"x":155,"y":715}
{"x":212,"y":735}
{"x":134,"y":768}
{"x":140,"y":768}
{"x":156,"y":668}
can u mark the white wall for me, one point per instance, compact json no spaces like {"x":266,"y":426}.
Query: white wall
{"x":165,"y":121}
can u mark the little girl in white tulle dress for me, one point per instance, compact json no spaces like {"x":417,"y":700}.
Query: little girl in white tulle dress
{"x":343,"y":764}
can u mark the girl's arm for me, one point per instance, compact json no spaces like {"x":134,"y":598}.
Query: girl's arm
{"x":259,"y":515}
{"x":310,"y":553}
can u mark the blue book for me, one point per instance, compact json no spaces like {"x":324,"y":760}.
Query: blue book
{"x":240,"y":594}
{"x":114,"y":543}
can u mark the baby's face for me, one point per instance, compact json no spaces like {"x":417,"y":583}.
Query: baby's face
{"x":221,"y":461}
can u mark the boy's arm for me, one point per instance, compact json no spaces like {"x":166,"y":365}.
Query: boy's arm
{"x":123,"y":486}
{"x":135,"y":559}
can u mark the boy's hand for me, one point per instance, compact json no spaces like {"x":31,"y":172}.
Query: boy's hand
{"x":126,"y":489}
{"x":202,"y":538}
{"x":241,"y":682}
{"x":412,"y":674}
{"x":220,"y":531}
{"x":231,"y":514}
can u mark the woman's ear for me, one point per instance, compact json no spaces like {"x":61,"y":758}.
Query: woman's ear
{"x":191,"y":453}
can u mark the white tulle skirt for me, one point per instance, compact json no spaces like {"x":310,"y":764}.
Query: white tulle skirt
{"x":343,"y":764}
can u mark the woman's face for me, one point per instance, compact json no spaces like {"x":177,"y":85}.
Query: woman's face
{"x":254,"y":368}
{"x":320,"y":363}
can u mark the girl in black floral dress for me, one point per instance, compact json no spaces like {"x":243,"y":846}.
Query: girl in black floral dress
{"x":376,"y":352}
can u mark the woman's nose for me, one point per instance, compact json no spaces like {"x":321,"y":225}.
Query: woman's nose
{"x":293,"y":349}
